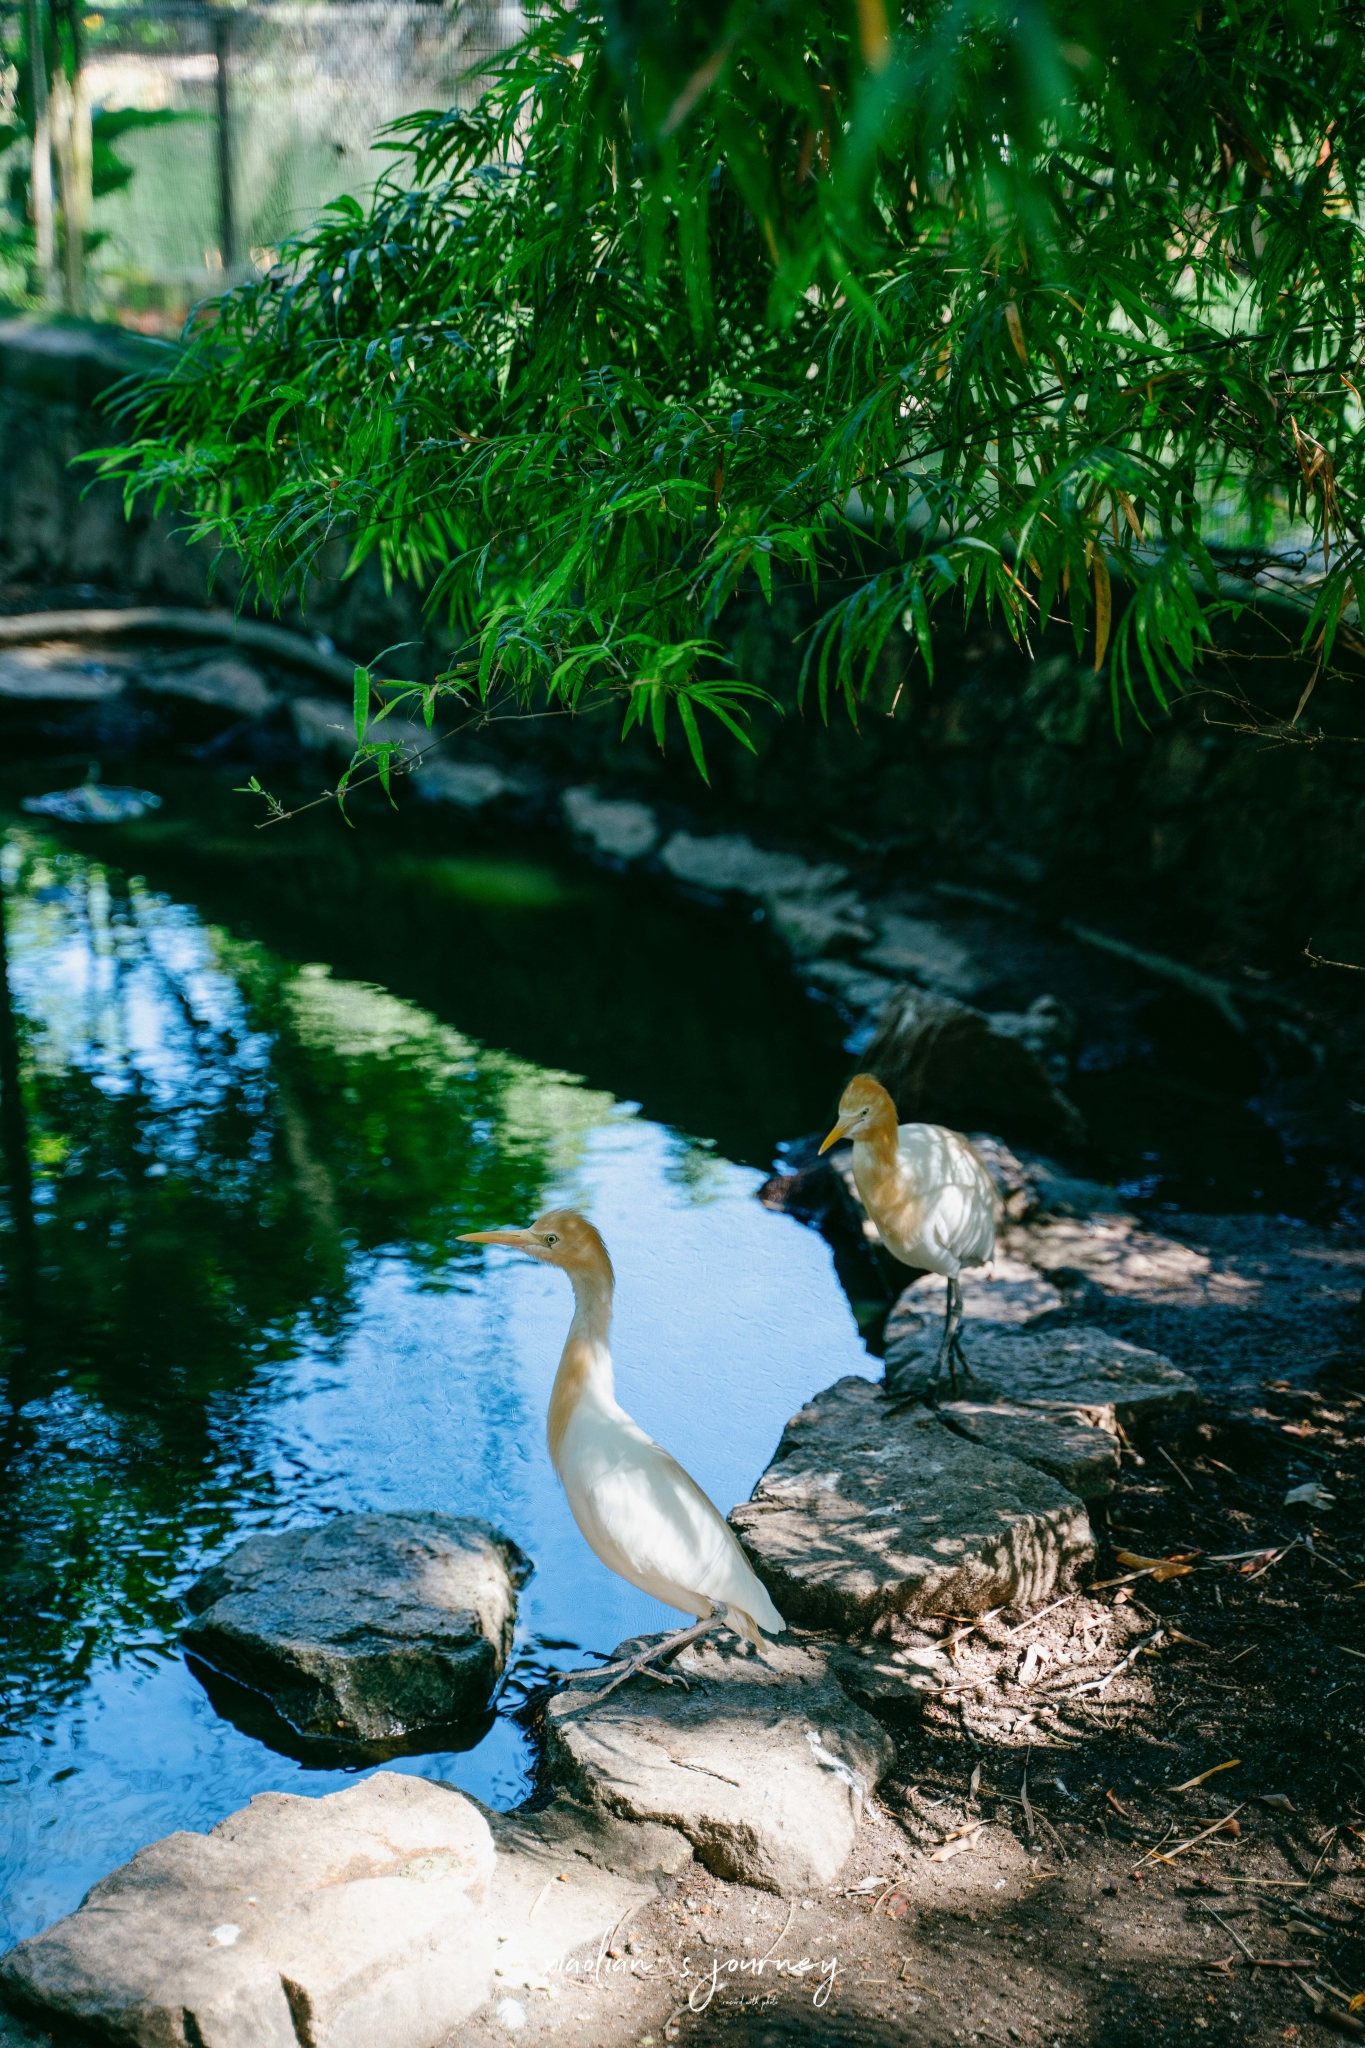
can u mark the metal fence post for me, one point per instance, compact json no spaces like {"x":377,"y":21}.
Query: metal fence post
{"x":227,"y":223}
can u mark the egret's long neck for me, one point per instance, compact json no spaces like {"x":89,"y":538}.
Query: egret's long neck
{"x":585,"y":1365}
{"x":883,"y":1177}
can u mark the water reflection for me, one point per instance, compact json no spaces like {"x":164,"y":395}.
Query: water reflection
{"x":242,"y":1309}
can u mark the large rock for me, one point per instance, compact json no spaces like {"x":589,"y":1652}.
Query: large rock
{"x":1007,"y":1293}
{"x":617,"y":827}
{"x":469,"y":785}
{"x":729,"y":864}
{"x":367,"y":1628}
{"x":1066,"y":1370}
{"x":813,"y":925}
{"x":565,"y":1876}
{"x":942,"y":1063}
{"x":339,"y":1923}
{"x":59,"y":672}
{"x":1085,"y":1457}
{"x":378,"y":1917}
{"x":224,"y":681}
{"x":864,"y":1513}
{"x":854,"y":987}
{"x":927,"y":954}
{"x":1047,"y":1027}
{"x":764,"y":1764}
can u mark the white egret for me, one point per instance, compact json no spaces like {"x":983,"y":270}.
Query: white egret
{"x":928,"y":1193}
{"x":645,"y":1517}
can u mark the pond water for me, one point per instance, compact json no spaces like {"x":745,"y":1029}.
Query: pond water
{"x":268,"y":1078}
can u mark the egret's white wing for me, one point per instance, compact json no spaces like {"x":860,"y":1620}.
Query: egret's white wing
{"x":958,"y":1220}
{"x":647,"y":1519}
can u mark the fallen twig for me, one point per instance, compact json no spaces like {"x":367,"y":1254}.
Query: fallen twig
{"x":1169,"y":1857}
{"x":1162,"y":1452}
{"x":1328,"y":2016}
{"x":1278,"y":1558}
{"x":1231,"y":1932}
{"x":1098,"y":1684}
{"x":791,"y":1915}
{"x":1019,"y":1627}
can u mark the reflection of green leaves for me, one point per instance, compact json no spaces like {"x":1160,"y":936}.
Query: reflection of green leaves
{"x":507,"y":884}
{"x":221,"y":1141}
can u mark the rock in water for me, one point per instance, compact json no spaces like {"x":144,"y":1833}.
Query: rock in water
{"x":368,"y":1627}
{"x":342,"y":1922}
{"x":764,"y":1764}
{"x":910,"y":946}
{"x":377,"y":1917}
{"x":225,"y":681}
{"x":864,"y":1513}
{"x":618,"y":827}
{"x":942,"y":1063}
{"x":730,"y":864}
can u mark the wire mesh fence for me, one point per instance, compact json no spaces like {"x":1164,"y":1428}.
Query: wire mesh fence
{"x":238,"y":123}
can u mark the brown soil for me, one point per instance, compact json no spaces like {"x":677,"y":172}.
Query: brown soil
{"x":1056,"y":1922}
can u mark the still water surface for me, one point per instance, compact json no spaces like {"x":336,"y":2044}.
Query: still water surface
{"x":267,"y":1080}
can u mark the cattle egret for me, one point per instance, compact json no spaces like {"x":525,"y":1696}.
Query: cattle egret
{"x":644,"y":1516}
{"x":928,"y":1193}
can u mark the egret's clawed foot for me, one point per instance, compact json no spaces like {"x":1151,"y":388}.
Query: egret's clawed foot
{"x":646,"y":1662}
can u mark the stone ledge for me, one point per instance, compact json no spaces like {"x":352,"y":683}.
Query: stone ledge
{"x":864,"y":1513}
{"x":763,"y":1764}
{"x":1071,"y":1368}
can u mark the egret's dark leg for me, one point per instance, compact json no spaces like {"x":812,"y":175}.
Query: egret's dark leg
{"x":956,"y":1355}
{"x":952,"y":1315}
{"x":646,"y":1661}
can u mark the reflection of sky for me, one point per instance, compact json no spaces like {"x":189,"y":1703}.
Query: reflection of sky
{"x":432,"y":1396}
{"x":728,"y":1318}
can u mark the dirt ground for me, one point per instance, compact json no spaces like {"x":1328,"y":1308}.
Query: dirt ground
{"x":1139,"y":1816}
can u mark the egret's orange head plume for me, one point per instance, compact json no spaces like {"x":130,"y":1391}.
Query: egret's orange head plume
{"x":863,"y":1106}
{"x":561,"y":1237}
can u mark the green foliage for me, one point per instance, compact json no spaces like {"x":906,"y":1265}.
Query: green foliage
{"x":108,"y":171}
{"x":983,"y":307}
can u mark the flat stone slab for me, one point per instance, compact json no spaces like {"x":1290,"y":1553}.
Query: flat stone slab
{"x":1007,"y":1293}
{"x":618,"y":827}
{"x":368,"y":1627}
{"x":341,"y":1922}
{"x":224,"y":681}
{"x":1072,"y":1368}
{"x":469,"y":785}
{"x":384,"y":1914}
{"x":928,"y":954}
{"x":1084,"y":1458}
{"x":864,"y":1513}
{"x":729,"y":863}
{"x":811,"y":926}
{"x":764,"y":1764}
{"x":59,"y":671}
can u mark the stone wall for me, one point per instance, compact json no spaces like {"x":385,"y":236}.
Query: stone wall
{"x":1007,"y":773}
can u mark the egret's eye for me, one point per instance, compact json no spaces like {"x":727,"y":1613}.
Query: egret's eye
{"x":551,"y":1237}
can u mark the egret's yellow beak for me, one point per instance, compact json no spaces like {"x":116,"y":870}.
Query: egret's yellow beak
{"x":516,"y":1238}
{"x":840,"y":1131}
